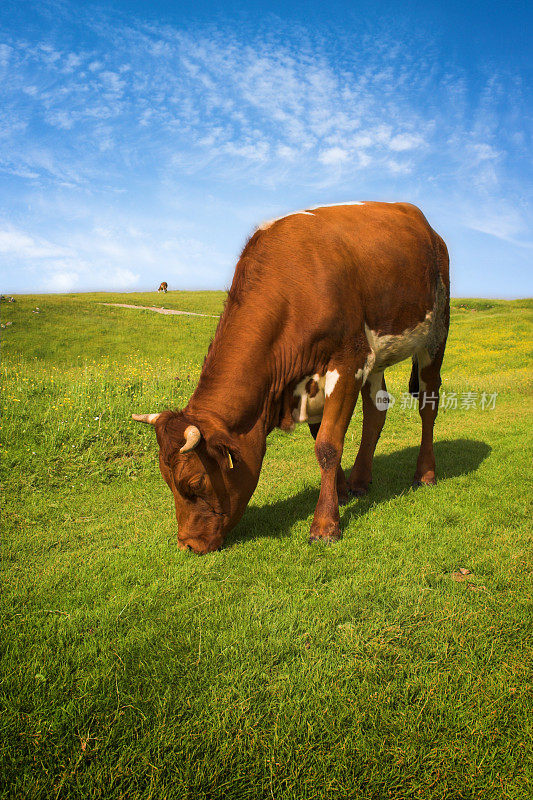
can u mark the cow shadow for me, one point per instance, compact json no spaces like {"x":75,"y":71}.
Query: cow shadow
{"x":392,"y":476}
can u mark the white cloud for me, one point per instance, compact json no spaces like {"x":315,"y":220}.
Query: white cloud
{"x":398,"y":167}
{"x":481,"y":151}
{"x":20,"y":172}
{"x":111,"y":255}
{"x":253,"y":151}
{"x":119,"y":279}
{"x":73,"y":60}
{"x":112,"y":81}
{"x":504,"y":223}
{"x":62,"y":282}
{"x":286,"y":152}
{"x":202,"y":120}
{"x":405,"y":141}
{"x":5,"y":54}
{"x":166,"y":91}
{"x":333,"y":156}
{"x":364,"y":159}
{"x":362,"y":140}
{"x":17,"y":243}
{"x":61,"y":119}
{"x":69,"y":281}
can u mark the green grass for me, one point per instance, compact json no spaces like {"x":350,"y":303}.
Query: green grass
{"x":272,"y":669}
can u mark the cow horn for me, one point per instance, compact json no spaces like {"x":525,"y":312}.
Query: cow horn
{"x":192,"y":437}
{"x":148,"y":419}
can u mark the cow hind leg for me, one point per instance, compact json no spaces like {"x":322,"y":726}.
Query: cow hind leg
{"x":339,"y":404}
{"x":343,"y":494}
{"x":373,"y":421}
{"x":428,"y":406}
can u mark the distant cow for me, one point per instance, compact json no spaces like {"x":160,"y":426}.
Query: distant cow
{"x":163,"y":287}
{"x":322,"y":302}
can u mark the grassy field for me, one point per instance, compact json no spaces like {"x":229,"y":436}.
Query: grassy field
{"x":273,"y":669}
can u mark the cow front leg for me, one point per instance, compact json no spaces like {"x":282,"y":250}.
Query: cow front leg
{"x":342,"y":388}
{"x":343,"y":494}
{"x":373,"y":422}
{"x":428,"y":406}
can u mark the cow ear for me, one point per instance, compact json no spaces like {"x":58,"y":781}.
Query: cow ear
{"x":225,"y":452}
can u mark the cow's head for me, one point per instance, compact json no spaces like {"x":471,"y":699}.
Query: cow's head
{"x":211,"y":474}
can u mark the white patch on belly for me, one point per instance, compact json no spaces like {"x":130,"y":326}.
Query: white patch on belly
{"x":268,"y":223}
{"x":427,"y":335}
{"x":332,"y":376}
{"x":390,"y":348}
{"x":309,"y":409}
{"x":299,"y":414}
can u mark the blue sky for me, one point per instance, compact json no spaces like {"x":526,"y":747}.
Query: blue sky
{"x":142,"y":142}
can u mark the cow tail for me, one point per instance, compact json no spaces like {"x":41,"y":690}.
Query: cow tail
{"x":414,"y":383}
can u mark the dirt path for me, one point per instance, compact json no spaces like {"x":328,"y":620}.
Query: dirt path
{"x":161,"y":310}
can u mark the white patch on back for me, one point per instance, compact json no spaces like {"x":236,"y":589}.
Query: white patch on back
{"x":336,"y":205}
{"x":309,"y":211}
{"x":268,"y":223}
{"x":332,"y":376}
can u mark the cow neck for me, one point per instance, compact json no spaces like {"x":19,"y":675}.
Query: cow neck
{"x":240,"y":403}
{"x":239,"y":382}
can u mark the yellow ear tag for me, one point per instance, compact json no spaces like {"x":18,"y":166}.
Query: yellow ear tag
{"x":230,"y":460}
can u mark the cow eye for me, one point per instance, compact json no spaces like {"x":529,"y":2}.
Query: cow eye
{"x":192,"y":489}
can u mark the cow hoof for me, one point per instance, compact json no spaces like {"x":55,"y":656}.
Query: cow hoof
{"x":327,"y":540}
{"x":359,"y":491}
{"x":418,"y":482}
{"x":326,"y":534}
{"x":344,"y":498}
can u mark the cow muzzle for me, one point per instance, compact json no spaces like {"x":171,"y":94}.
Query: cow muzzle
{"x":201,"y":544}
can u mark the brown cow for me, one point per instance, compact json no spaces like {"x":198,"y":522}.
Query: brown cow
{"x":163,"y":287}
{"x":322,"y":301}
